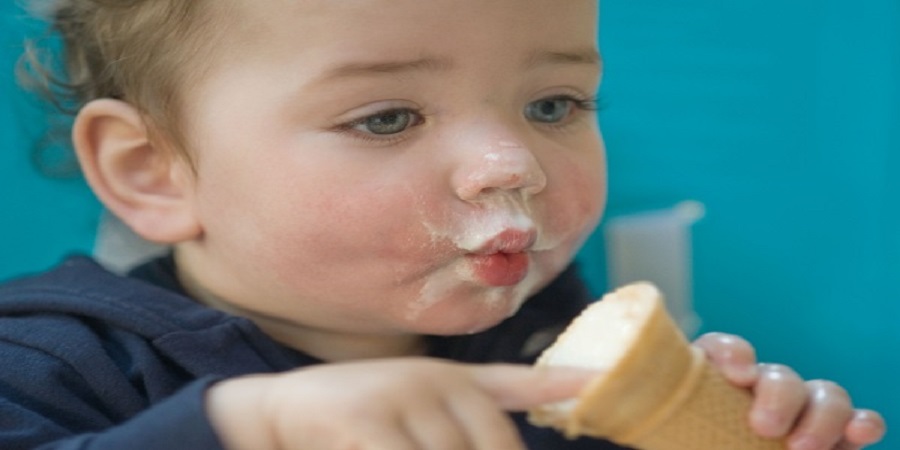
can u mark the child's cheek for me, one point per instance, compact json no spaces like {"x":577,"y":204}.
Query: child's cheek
{"x":576,"y":200}
{"x":383,"y":220}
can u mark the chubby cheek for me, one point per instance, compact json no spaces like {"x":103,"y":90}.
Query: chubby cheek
{"x":372,"y":254}
{"x":312,"y":239}
{"x":575,"y":198}
{"x":365,"y":234}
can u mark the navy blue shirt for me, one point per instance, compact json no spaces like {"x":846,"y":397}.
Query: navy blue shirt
{"x":93,"y":360}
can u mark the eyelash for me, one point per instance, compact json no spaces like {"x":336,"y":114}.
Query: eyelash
{"x":349,"y":128}
{"x":580,"y":104}
{"x":584,"y":104}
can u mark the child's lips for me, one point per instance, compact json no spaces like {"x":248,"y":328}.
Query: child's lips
{"x":500,"y":269}
{"x":508,"y":241}
{"x":504,"y":259}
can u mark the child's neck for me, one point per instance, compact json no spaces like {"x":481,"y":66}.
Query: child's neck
{"x":329,"y":346}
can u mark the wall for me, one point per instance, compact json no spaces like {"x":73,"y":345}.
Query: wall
{"x":783,"y":118}
{"x":41,"y":218}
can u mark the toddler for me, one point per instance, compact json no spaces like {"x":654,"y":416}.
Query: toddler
{"x":373,"y":207}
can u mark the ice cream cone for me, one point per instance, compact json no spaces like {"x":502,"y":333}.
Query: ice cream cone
{"x":656,"y":392}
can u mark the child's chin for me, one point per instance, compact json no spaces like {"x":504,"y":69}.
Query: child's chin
{"x":466,"y":324}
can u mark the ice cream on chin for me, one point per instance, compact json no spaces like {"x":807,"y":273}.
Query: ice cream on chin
{"x":494,"y":239}
{"x":495,"y":260}
{"x":499,"y":255}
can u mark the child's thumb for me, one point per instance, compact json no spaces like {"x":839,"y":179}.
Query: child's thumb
{"x":518,"y":388}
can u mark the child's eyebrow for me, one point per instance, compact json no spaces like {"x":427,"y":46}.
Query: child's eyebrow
{"x":357,"y":69}
{"x":586,"y":56}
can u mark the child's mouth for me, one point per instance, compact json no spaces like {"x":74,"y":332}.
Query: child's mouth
{"x":500,"y":269}
{"x":503,"y":260}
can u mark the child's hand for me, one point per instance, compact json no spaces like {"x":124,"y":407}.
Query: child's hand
{"x":815,"y":415}
{"x":402,"y":404}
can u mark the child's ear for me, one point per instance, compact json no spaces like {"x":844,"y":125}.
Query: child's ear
{"x":145,"y":185}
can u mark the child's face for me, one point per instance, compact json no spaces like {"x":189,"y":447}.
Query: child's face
{"x":391,"y":167}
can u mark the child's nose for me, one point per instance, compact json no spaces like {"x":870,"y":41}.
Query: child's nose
{"x":504,"y":164}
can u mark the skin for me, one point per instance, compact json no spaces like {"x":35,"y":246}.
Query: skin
{"x":391,"y":210}
{"x":351,"y":245}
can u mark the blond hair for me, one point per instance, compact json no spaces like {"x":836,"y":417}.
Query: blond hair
{"x":144,"y":52}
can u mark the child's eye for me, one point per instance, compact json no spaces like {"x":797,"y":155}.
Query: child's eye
{"x":549,"y":110}
{"x":388,"y":122}
{"x":554,"y":110}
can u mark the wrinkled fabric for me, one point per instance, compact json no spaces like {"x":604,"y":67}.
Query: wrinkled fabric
{"x":93,"y":360}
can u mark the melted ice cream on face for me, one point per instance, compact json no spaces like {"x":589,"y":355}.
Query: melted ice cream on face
{"x":490,"y":227}
{"x":494,"y":214}
{"x":505,"y":165}
{"x":491,"y":216}
{"x":439,"y":287}
{"x":498,"y":191}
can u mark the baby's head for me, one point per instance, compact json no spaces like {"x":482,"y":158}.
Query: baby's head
{"x":356,"y":167}
{"x":143,"y":52}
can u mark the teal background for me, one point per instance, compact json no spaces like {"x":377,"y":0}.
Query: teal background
{"x":783,"y":118}
{"x":41,"y":218}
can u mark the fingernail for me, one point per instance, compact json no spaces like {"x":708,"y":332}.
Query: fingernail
{"x":868,"y":418}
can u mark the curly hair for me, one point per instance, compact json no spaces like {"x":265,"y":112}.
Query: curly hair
{"x":144,"y":52}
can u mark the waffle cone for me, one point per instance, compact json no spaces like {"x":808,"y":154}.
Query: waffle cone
{"x":657,"y":392}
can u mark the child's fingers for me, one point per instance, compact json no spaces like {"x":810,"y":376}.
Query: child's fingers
{"x":780,"y":395}
{"x":732,"y":355}
{"x":486,"y":426}
{"x":826,"y":416}
{"x":518,"y":388}
{"x":375,"y":437}
{"x":867,"y":427}
{"x":437,"y":428}
{"x":844,"y":445}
